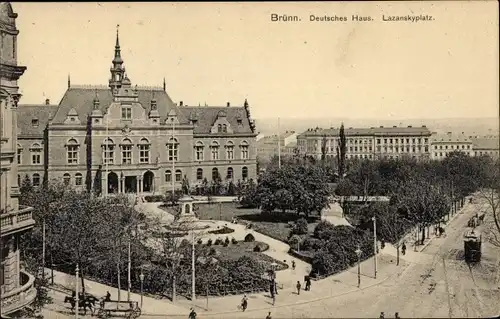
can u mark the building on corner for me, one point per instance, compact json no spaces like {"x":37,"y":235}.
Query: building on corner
{"x":443,"y":144}
{"x":123,"y":138}
{"x":16,"y":285}
{"x":486,"y":146}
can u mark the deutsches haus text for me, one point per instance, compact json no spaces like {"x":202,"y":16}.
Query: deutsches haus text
{"x":355,"y":18}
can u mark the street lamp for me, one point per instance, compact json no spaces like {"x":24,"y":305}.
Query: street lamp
{"x":141,"y":278}
{"x":375,"y":244}
{"x":358,"y":253}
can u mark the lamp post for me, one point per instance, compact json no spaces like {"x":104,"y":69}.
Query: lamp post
{"x":77,"y":293}
{"x":141,"y":278}
{"x":358,"y":253}
{"x":375,"y":244}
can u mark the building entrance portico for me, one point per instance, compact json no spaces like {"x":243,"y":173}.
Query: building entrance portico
{"x":131,"y":183}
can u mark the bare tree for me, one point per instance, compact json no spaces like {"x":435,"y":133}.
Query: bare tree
{"x":491,"y":194}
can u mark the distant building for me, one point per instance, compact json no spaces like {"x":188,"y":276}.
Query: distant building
{"x":368,"y":143}
{"x":486,"y":146}
{"x":267,"y":146}
{"x":16,"y":285}
{"x":443,"y":144}
{"x":122,"y":138}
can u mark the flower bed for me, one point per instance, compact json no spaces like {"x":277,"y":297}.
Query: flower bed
{"x":223,"y":230}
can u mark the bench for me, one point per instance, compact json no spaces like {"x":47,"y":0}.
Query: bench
{"x":126,"y":309}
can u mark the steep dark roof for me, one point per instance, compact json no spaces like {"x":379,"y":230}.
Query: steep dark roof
{"x":207,"y":115}
{"x":81,"y":98}
{"x":28,"y":112}
{"x":485,"y":143}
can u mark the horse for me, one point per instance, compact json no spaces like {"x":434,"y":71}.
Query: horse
{"x":89,"y":303}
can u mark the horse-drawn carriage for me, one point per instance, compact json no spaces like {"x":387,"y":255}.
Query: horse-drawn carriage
{"x":105,"y":308}
{"x":127,"y":309}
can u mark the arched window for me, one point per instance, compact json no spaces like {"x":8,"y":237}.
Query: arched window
{"x":244,"y":172}
{"x":144,"y":148}
{"x":36,"y":154}
{"x":229,"y":173}
{"x":19,"y":154}
{"x":66,"y":179}
{"x":229,"y":150}
{"x":78,"y":179}
{"x":214,"y":147}
{"x":72,"y":151}
{"x":215,"y":173}
{"x":173,"y":150}
{"x":199,"y":151}
{"x":244,"y":150}
{"x":168,"y":176}
{"x":199,"y":174}
{"x":224,"y":128}
{"x":108,"y":147}
{"x":178,"y":175}
{"x":126,"y":147}
{"x":219,"y":128}
{"x":36,"y":179}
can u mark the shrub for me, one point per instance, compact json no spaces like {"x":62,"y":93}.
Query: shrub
{"x":154,"y":198}
{"x":234,"y":241}
{"x":323,"y":230}
{"x":311,"y":244}
{"x":294,"y":240}
{"x":227,"y":241}
{"x":249,"y":238}
{"x":300,"y":227}
{"x":218,"y":241}
{"x":223,"y":230}
{"x":200,"y":241}
{"x":257,"y":249}
{"x":212,"y":251}
{"x":209,"y":242}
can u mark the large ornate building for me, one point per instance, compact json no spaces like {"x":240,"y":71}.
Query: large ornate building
{"x":125,"y":138}
{"x":16,"y":285}
{"x":368,"y":143}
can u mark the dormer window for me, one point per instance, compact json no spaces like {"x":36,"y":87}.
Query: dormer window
{"x":224,"y":128}
{"x":126,"y":112}
{"x":194,"y":122}
{"x":240,"y":121}
{"x":34,"y":122}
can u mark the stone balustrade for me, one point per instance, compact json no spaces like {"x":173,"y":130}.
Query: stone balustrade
{"x":16,"y":220}
{"x":20,"y":297}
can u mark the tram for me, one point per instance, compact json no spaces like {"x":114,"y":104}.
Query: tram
{"x":472,"y":246}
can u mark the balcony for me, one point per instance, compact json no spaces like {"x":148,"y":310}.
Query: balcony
{"x":21,"y":297}
{"x":16,"y":221}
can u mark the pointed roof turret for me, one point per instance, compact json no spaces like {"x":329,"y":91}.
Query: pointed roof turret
{"x":164,"y":85}
{"x":69,"y":81}
{"x":118,"y":58}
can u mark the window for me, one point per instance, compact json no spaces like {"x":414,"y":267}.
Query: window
{"x":109,"y":151}
{"x":215,"y":150}
{"x":144,"y":151}
{"x":36,"y":179}
{"x":126,"y":112}
{"x":199,"y":174}
{"x":173,"y":150}
{"x":199,"y":151}
{"x":78,"y":179}
{"x":215,"y":173}
{"x":72,"y":151}
{"x":224,"y":128}
{"x":34,"y":122}
{"x":219,"y":128}
{"x":19,"y":154}
{"x":229,"y":150}
{"x":168,"y":176}
{"x":244,"y":150}
{"x":127,"y":151}
{"x":229,"y":173}
{"x":426,"y":140}
{"x":66,"y":179}
{"x":178,"y":175}
{"x":378,"y":141}
{"x":244,"y":172}
{"x":36,"y":154}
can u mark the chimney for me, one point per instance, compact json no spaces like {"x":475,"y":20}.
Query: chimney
{"x":47,"y":102}
{"x":394,"y":126}
{"x":181,"y":103}
{"x":381,"y":126}
{"x":448,"y":133}
{"x":424,"y":126}
{"x":228,"y":104}
{"x":409,"y":126}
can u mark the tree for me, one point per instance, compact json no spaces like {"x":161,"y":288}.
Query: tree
{"x":490,"y":192}
{"x":341,"y":151}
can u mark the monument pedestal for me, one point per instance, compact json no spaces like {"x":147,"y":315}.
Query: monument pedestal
{"x":186,"y":219}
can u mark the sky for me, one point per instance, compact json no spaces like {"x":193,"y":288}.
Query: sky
{"x":225,"y":52}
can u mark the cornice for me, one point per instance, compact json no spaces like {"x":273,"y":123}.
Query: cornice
{"x":11,"y":72}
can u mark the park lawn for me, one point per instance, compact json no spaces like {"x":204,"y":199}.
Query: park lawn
{"x":235,"y":251}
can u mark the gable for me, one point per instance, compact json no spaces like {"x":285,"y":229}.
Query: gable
{"x":206,"y":117}
{"x":27,"y":113}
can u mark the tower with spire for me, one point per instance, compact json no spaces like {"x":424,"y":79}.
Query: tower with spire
{"x":117,"y":69}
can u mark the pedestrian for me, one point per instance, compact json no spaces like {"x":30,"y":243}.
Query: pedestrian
{"x":276,"y":287}
{"x":403,"y":249}
{"x":293,"y":264}
{"x":108,"y":296}
{"x":382,"y":316}
{"x":269,"y":315}
{"x":298,"y":287}
{"x":244,"y":302}
{"x":396,"y":315}
{"x":192,"y":314}
{"x":274,"y":298}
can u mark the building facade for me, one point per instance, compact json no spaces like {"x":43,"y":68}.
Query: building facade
{"x":443,"y":144}
{"x":486,"y":146}
{"x":367,"y":143}
{"x":267,"y":147}
{"x":16,"y":285}
{"x":125,"y":138}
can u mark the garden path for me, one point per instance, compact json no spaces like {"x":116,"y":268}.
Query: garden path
{"x":333,"y":215}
